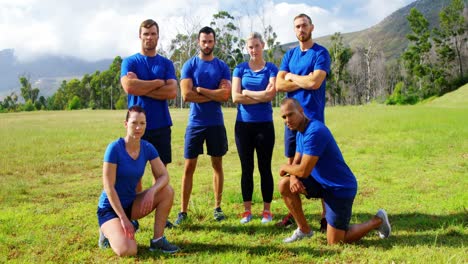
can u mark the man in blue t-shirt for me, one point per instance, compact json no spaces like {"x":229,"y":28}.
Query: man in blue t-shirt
{"x":205,"y":83}
{"x":149,"y":80}
{"x":302,"y":76}
{"x":319,"y":171}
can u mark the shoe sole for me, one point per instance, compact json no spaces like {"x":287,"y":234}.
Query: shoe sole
{"x":164,"y":251}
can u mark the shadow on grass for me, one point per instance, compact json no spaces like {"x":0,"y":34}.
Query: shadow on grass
{"x":190,"y":249}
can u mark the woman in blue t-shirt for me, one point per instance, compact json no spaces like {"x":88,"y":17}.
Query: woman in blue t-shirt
{"x":253,"y":88}
{"x":123,"y":201}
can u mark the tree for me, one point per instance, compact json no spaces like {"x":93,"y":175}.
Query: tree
{"x":27,"y":92}
{"x":450,"y":38}
{"x":228,"y":43}
{"x":340,"y":56}
{"x":416,"y":57}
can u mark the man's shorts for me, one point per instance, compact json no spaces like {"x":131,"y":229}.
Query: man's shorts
{"x":289,"y":142}
{"x":106,"y":214}
{"x":161,"y":139}
{"x":337,"y":210}
{"x":216,"y":141}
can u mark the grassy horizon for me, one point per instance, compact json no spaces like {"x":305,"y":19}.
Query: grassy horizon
{"x":410,"y":160}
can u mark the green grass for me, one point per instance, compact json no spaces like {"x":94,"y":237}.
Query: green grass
{"x":410,"y":160}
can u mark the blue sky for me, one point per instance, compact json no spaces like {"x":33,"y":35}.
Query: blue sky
{"x":106,"y":28}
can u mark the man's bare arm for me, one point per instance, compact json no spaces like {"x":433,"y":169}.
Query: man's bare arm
{"x":189,"y":94}
{"x":283,"y":85}
{"x":312,"y":81}
{"x":220,"y":95}
{"x":165,"y":92}
{"x":132,"y":85}
{"x":301,"y":170}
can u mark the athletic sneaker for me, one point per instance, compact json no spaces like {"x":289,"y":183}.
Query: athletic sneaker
{"x":323,"y":225}
{"x":288,"y":221}
{"x":169,"y":224}
{"x":136,"y":225}
{"x":246,"y":217}
{"x":298,"y":235}
{"x":181,"y":217}
{"x":218,"y":214}
{"x":267,"y":217}
{"x":103,"y":242}
{"x":163,"y":245}
{"x":384,"y":229}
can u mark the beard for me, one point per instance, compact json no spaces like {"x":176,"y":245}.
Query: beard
{"x":207,"y":51}
{"x":304,"y":38}
{"x":150,"y":45}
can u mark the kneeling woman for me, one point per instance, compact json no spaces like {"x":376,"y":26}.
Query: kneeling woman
{"x":123,"y":200}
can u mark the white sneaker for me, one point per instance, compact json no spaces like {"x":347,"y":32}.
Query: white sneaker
{"x":384,"y":229}
{"x":246,"y":217}
{"x":267,"y":217}
{"x":298,"y":235}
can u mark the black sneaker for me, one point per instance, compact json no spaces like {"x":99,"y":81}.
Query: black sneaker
{"x":136,"y":225}
{"x":169,"y":224}
{"x":287,"y":222}
{"x":218,"y":214}
{"x":163,"y":245}
{"x":323,"y":225}
{"x":181,"y":217}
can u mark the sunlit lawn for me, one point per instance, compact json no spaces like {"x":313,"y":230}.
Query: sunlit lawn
{"x":410,"y":160}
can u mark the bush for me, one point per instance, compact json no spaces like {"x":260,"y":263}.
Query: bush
{"x":74,"y":103}
{"x":28,"y":106}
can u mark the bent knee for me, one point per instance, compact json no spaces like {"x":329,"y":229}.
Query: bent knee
{"x":127,"y":249}
{"x":283,"y":185}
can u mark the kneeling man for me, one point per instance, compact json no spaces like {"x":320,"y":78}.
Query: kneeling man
{"x":319,"y":171}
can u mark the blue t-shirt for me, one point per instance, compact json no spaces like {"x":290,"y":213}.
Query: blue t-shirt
{"x":150,"y":68}
{"x":206,"y":74}
{"x":255,"y":81}
{"x":129,"y":171}
{"x":331,"y":170}
{"x":302,"y":63}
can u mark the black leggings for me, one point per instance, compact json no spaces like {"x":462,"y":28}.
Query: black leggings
{"x":260,"y":137}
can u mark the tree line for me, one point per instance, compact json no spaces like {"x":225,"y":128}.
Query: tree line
{"x":433,"y":64}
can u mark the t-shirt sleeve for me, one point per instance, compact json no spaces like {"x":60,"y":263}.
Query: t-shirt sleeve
{"x":238,"y":71}
{"x":124,"y":67}
{"x":187,"y":72}
{"x":226,"y":72}
{"x":150,"y":150}
{"x":285,"y":62}
{"x":111,"y":154}
{"x":170,"y":74}
{"x":315,"y":142}
{"x":323,"y":61}
{"x":273,"y":70}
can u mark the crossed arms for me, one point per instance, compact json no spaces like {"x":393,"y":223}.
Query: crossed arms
{"x":203,"y":95}
{"x":288,"y":82}
{"x":157,"y":89}
{"x":240,"y":96}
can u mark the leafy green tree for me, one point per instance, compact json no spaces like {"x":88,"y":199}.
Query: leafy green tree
{"x":27,"y":92}
{"x":416,"y":57}
{"x":228,"y":43}
{"x":340,"y":56}
{"x":74,"y":103}
{"x":450,"y":38}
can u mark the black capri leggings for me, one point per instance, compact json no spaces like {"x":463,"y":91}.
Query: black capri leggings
{"x":260,"y":137}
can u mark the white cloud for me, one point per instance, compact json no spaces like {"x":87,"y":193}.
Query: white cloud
{"x":107,"y":28}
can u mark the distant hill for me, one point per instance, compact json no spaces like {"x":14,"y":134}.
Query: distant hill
{"x":44,"y":71}
{"x":390,"y":34}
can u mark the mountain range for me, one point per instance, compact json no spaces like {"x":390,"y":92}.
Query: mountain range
{"x":47,"y":72}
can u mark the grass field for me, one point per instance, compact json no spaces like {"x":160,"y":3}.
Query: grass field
{"x":410,"y":160}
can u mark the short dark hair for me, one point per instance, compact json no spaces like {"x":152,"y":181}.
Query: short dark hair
{"x":303,"y":15}
{"x":207,"y":30}
{"x":135,"y":108}
{"x":292,"y":100}
{"x":147,"y":24}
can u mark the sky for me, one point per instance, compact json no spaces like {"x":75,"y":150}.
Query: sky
{"x":103,"y":29}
